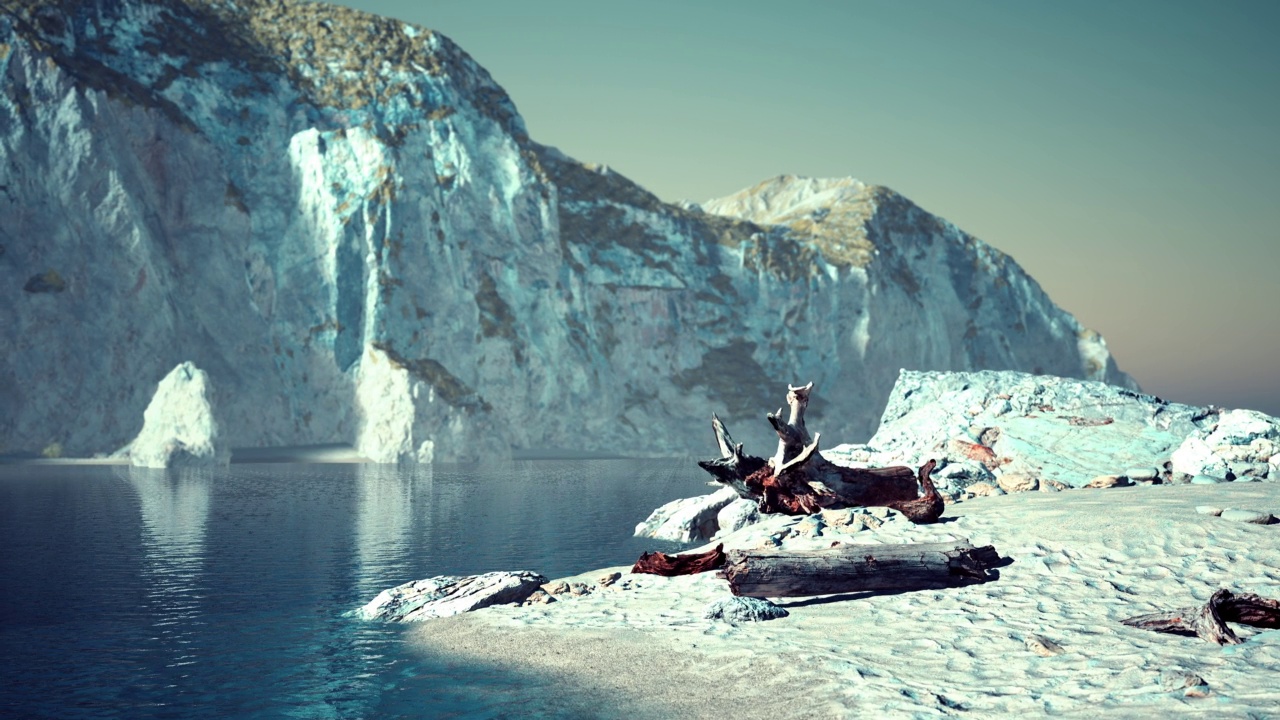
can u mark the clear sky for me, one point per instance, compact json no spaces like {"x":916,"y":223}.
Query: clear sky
{"x":1126,"y":153}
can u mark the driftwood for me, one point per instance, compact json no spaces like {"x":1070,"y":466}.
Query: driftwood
{"x":797,"y":480}
{"x":1209,"y":621}
{"x":657,"y":563}
{"x":858,"y":568}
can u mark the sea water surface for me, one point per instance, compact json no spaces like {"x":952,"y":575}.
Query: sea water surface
{"x":134,"y":593}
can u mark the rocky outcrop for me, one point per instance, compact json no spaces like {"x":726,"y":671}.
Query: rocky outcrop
{"x":180,"y":426}
{"x":1022,"y":430}
{"x":690,"y":519}
{"x":341,"y":218}
{"x":447,"y":595}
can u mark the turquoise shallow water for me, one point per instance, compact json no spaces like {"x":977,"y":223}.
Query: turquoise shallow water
{"x":131,"y":593}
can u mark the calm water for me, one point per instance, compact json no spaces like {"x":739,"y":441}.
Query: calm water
{"x":145,"y":594}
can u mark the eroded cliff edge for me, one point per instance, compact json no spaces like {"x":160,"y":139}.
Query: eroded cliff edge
{"x":342,"y":219}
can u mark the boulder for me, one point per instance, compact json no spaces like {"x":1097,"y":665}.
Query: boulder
{"x":1255,"y":517}
{"x":737,"y":515}
{"x":1196,"y":457}
{"x":179,"y":427}
{"x":447,"y":595}
{"x":1017,"y":482}
{"x":688,"y":520}
{"x":743,"y":609}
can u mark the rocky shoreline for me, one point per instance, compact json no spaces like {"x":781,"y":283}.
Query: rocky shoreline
{"x":1157,"y":522}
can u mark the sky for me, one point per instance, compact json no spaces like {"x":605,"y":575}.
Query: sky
{"x":1126,"y":154}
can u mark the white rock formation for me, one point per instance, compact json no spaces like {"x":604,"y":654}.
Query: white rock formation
{"x":180,"y":427}
{"x":689,"y":519}
{"x":1195,"y":457}
{"x":206,"y":180}
{"x":447,"y":595}
{"x":1034,"y":427}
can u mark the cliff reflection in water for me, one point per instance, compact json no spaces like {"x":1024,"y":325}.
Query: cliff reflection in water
{"x":175,"y":512}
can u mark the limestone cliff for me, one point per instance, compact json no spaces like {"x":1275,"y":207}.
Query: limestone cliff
{"x":341,"y":219}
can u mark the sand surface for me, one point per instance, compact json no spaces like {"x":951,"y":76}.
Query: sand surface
{"x":1082,"y":561}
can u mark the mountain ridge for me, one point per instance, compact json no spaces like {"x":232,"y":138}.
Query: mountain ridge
{"x":375,"y":252}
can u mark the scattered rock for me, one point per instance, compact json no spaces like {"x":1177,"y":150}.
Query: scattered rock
{"x":688,"y":520}
{"x":558,"y":587}
{"x":539,"y":597}
{"x":1249,"y":470}
{"x":179,"y":427}
{"x":611,"y":578}
{"x":579,"y":589}
{"x":743,"y":609}
{"x":447,"y":595}
{"x":1179,"y":478}
{"x":809,"y":526}
{"x":1043,"y":646}
{"x":1174,"y":680}
{"x":1247,"y":516}
{"x":1017,"y":482}
{"x":1208,"y":510}
{"x":1207,"y":480}
{"x":982,"y":489}
{"x":849,"y":520}
{"x":1047,"y":485}
{"x":1108,"y":481}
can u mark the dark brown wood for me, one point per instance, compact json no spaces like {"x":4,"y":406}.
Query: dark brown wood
{"x":928,"y":507}
{"x":858,"y":568}
{"x":657,"y":563}
{"x":1250,"y":609}
{"x":798,"y":480}
{"x":1209,"y":621}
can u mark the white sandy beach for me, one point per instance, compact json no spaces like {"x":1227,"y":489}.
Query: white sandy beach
{"x":1082,"y":561}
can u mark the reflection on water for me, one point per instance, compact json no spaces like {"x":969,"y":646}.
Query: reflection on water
{"x":384,"y":522}
{"x":221,"y":592}
{"x":175,"y":510}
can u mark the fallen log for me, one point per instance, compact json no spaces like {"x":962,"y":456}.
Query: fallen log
{"x":658,"y":563}
{"x":798,"y":480}
{"x":1209,"y":621}
{"x":858,"y":568}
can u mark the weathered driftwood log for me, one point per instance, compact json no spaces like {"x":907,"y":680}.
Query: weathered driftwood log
{"x":928,"y":507}
{"x":797,"y":480}
{"x":1209,"y":621}
{"x":657,"y":563}
{"x":858,"y":568}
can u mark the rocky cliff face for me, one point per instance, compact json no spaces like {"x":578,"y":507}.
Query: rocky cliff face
{"x":342,"y":220}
